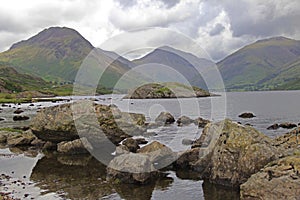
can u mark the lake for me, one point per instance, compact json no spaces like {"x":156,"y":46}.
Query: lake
{"x":54,"y":176}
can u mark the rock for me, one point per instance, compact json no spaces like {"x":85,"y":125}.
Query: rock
{"x":287,"y":125}
{"x":2,"y":119}
{"x":166,"y":90}
{"x":50,"y":146}
{"x":288,"y":141}
{"x":21,"y":139}
{"x":131,"y":168}
{"x":247,"y":115}
{"x":19,"y":111}
{"x":121,"y":149}
{"x":141,"y":141}
{"x":3,"y":138}
{"x":273,"y":127}
{"x":31,"y":104}
{"x":188,"y":159}
{"x":56,"y":124}
{"x":200,"y":122}
{"x":78,"y":146}
{"x":187,"y":142}
{"x":38,"y":142}
{"x":184,"y":120}
{"x":234,"y":152}
{"x":131,"y":144}
{"x":165,"y":118}
{"x":160,"y":155}
{"x":280,"y":179}
{"x":20,"y":118}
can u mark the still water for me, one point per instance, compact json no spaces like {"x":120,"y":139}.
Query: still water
{"x":54,"y":176}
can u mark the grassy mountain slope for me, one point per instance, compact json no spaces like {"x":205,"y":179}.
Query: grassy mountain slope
{"x":56,"y":54}
{"x":250,"y":67}
{"x":182,"y":63}
{"x":13,"y":81}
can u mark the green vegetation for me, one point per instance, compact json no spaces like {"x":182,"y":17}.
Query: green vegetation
{"x":263,"y":65}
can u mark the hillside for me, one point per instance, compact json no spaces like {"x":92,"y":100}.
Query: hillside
{"x":56,"y":53}
{"x":183,"y":63}
{"x":12,"y":81}
{"x":253,"y":67}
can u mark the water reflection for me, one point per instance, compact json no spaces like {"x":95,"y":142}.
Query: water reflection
{"x":83,"y":177}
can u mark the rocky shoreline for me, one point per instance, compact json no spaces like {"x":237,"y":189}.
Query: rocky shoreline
{"x":227,"y":153}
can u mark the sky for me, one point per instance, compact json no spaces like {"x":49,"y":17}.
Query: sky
{"x":220,"y":27}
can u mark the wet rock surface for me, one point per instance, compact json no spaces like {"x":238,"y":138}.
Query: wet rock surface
{"x":165,"y":118}
{"x":247,"y":115}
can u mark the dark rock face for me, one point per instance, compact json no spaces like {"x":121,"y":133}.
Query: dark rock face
{"x":280,"y":179}
{"x":19,"y":111}
{"x":287,"y":125}
{"x":20,"y":118}
{"x":184,"y":120}
{"x":131,"y":144}
{"x":131,"y":168}
{"x":273,"y":127}
{"x":232,"y":153}
{"x":165,"y":118}
{"x":247,"y":115}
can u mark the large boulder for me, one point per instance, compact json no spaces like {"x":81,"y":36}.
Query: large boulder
{"x":131,"y":168}
{"x":95,"y":122}
{"x":165,"y":118}
{"x":160,"y":155}
{"x":234,"y":152}
{"x":280,"y":179}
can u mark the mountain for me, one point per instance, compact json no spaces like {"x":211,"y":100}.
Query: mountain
{"x":56,"y":54}
{"x":179,"y":64}
{"x":256,"y":65}
{"x":13,"y":81}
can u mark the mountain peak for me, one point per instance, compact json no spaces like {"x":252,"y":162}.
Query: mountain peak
{"x":51,"y":34}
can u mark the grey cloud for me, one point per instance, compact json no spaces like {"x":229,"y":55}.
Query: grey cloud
{"x":170,"y":3}
{"x":217,"y":29}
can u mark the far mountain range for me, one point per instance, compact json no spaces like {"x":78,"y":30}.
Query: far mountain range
{"x":53,"y":57}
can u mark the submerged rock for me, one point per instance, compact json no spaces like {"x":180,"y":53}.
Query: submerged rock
{"x":184,"y":120}
{"x":165,"y":118}
{"x":79,"y":146}
{"x":280,"y":179}
{"x":200,"y":122}
{"x":247,"y":115}
{"x":287,"y":125}
{"x":20,"y":118}
{"x":131,"y":168}
{"x":273,"y":127}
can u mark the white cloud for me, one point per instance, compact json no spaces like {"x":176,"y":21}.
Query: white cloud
{"x":220,"y":27}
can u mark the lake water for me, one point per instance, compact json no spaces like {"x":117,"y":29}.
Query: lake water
{"x":53,"y":176}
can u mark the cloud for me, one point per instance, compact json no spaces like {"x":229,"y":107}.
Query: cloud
{"x":217,"y":29}
{"x":220,"y":27}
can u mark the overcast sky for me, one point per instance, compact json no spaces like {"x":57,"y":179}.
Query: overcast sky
{"x":219,"y":26}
